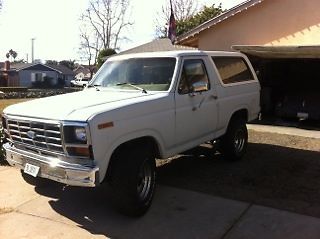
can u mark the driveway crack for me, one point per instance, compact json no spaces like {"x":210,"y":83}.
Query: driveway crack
{"x":237,"y":221}
{"x":41,"y":217}
{"x":30,"y":200}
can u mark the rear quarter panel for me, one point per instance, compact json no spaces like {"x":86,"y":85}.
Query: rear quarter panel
{"x":236,"y":96}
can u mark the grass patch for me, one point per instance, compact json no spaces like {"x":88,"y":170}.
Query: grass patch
{"x":6,"y":102}
{"x":4,"y":210}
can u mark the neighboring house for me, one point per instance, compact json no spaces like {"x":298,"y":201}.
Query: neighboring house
{"x":82,"y":72}
{"x":8,"y":77}
{"x":163,"y":44}
{"x":30,"y":75}
{"x":65,"y":74}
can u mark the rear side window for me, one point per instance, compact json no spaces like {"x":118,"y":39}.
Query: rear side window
{"x":232,"y":69}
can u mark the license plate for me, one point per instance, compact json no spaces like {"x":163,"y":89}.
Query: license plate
{"x":31,"y":169}
{"x":301,"y":115}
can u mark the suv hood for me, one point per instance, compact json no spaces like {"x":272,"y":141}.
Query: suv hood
{"x":62,"y":107}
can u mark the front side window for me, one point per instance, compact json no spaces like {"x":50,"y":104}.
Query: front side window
{"x":151,"y":74}
{"x":232,"y":69}
{"x":194,"y":77}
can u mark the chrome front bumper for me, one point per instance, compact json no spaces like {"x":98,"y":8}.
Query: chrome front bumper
{"x":53,"y":168}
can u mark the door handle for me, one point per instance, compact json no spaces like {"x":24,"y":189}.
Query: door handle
{"x":214,"y":97}
{"x":195,"y":108}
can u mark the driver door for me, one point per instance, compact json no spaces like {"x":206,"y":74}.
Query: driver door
{"x":196,"y":104}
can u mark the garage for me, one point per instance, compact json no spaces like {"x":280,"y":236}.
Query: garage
{"x":290,"y":80}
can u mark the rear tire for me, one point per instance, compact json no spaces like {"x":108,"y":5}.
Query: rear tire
{"x":132,"y":182}
{"x":234,"y":143}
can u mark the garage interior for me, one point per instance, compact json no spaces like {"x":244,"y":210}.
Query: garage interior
{"x":290,"y":82}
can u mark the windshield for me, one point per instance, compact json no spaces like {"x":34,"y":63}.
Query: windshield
{"x":149,"y":74}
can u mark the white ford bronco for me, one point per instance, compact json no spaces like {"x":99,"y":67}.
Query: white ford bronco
{"x":137,"y":108}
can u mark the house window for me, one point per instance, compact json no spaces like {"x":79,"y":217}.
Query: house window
{"x":37,"y":77}
{"x":232,"y":69}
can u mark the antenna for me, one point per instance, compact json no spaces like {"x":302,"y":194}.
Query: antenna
{"x":32,"y":50}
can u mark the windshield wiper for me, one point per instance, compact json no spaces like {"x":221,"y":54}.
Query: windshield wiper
{"x":95,"y":86}
{"x":134,"y":86}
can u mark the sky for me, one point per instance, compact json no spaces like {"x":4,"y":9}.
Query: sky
{"x":54,"y":24}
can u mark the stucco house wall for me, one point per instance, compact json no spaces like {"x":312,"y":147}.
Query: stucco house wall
{"x":270,"y":23}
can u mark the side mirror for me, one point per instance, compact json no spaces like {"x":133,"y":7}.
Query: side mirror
{"x":199,"y":86}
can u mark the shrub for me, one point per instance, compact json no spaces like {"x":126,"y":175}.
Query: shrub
{"x":61,"y":83}
{"x":44,"y":83}
{"x":47,"y":82}
{"x":13,"y":89}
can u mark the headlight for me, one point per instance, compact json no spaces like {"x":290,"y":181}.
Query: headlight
{"x":77,"y":140}
{"x":75,"y":134}
{"x":80,"y":134}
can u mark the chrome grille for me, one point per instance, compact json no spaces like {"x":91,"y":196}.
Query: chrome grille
{"x":46,"y":136}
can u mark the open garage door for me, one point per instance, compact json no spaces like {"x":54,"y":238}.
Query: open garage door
{"x":290,"y":80}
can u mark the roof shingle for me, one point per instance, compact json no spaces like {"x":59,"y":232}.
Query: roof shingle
{"x":163,"y":44}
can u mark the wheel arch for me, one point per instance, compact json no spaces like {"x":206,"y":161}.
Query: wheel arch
{"x":234,"y":142}
{"x":142,"y":142}
{"x":242,"y":113}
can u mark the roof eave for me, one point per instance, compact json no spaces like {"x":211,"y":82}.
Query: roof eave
{"x":298,"y":51}
{"x":214,"y":21}
{"x":26,"y":67}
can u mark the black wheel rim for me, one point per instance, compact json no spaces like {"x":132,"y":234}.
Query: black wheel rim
{"x":144,"y":180}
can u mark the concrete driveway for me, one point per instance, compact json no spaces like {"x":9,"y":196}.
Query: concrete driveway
{"x":54,"y":211}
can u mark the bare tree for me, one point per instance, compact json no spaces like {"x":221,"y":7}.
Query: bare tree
{"x":89,"y":47}
{"x":183,"y":10}
{"x":107,"y":19}
{"x":89,"y":50}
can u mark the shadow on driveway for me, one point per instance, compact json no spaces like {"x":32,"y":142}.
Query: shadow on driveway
{"x":269,"y":175}
{"x":175,"y":213}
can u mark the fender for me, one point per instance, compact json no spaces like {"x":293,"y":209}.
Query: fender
{"x":236,"y":109}
{"x":126,"y":138}
{"x":240,"y":107}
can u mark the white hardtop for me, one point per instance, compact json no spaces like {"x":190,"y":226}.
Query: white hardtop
{"x":178,"y":53}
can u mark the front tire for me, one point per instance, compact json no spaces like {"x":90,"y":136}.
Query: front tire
{"x":234,"y":143}
{"x":132,"y":182}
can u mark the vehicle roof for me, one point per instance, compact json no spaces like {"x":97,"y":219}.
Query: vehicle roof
{"x":178,"y":53}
